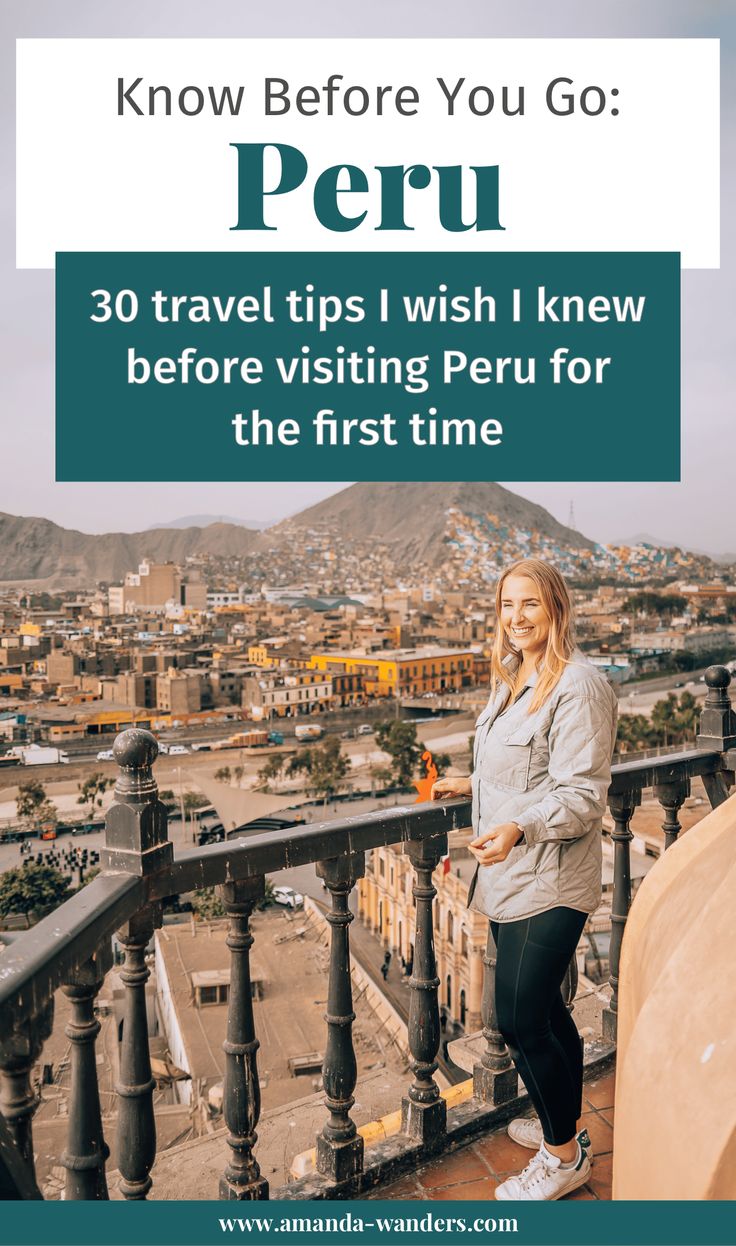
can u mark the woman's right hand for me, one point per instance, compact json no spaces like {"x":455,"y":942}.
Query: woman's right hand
{"x":458,"y":785}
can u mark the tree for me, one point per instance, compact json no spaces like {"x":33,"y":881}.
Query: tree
{"x":635,"y":733}
{"x":684,"y":660}
{"x":96,"y":869}
{"x":47,"y":813}
{"x":664,"y":717}
{"x":325,"y":766}
{"x":31,"y":886}
{"x":191,"y":801}
{"x":676,"y":718}
{"x":442,"y":763}
{"x":207,"y":905}
{"x":267,"y":895}
{"x":271,"y":769}
{"x":30,"y":796}
{"x":647,"y":602}
{"x":380,"y":774}
{"x":399,"y":740}
{"x":92,"y":790}
{"x":223,"y":774}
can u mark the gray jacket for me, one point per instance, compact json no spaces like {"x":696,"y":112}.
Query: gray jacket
{"x":549,"y":772}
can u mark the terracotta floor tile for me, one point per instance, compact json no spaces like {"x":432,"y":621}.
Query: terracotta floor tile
{"x":405,"y":1187}
{"x":600,"y":1094}
{"x":502,"y":1154}
{"x":601,"y":1176}
{"x":584,"y":1194}
{"x":608,"y":1114}
{"x":469,"y":1190}
{"x":601,"y":1133}
{"x":462,"y":1166}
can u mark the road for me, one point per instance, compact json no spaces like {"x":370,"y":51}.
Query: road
{"x":640,"y":699}
{"x":662,"y":683}
{"x":340,"y":720}
{"x":447,"y":733}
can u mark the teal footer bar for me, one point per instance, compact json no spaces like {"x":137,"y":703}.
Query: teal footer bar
{"x":369,"y":1223}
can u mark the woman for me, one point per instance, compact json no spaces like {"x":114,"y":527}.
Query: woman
{"x":542,"y":767}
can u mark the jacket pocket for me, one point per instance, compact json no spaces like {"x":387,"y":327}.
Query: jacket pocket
{"x":509,"y":761}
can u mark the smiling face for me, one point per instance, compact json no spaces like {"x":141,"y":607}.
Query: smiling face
{"x":523,"y":617}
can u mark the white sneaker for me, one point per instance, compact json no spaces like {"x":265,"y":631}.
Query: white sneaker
{"x":527,"y":1131}
{"x":544,"y":1179}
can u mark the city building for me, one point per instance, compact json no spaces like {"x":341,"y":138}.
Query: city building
{"x":152,"y":586}
{"x":402,"y":672}
{"x":286,"y":693}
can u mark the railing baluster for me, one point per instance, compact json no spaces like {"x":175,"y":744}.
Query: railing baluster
{"x":136,"y":1135}
{"x":671,"y":797}
{"x":495,"y":1079}
{"x":86,"y":1150}
{"x":339,"y":1146}
{"x":241,"y":1106}
{"x":622,"y":810}
{"x":18,"y":1100}
{"x":136,"y":842}
{"x":424,"y":1111}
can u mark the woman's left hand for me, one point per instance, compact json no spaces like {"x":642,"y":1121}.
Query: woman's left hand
{"x":495,"y":845}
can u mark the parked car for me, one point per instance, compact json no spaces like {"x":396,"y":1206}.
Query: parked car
{"x":288,"y":897}
{"x":106,"y":754}
{"x":176,"y":750}
{"x":365,"y":729}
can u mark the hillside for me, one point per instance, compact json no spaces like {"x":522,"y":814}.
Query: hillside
{"x":415,"y":518}
{"x":33,"y":549}
{"x":363,"y":536}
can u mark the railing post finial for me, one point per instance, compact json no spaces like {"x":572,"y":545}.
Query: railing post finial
{"x":718,"y":731}
{"x":717,"y":720}
{"x":136,"y":833}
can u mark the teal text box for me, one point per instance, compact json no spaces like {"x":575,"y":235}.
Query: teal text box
{"x":369,"y":1223}
{"x":584,"y":420}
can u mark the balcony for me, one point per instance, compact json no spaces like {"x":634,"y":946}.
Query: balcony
{"x":440,"y":1144}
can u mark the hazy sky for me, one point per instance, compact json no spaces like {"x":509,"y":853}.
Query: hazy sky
{"x":697,"y":512}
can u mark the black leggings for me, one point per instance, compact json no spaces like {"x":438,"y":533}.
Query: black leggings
{"x":531,"y":959}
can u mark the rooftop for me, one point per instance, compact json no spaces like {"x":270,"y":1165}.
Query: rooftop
{"x":403,"y":655}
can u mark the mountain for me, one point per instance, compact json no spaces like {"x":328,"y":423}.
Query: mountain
{"x":644,"y":538}
{"x":415,"y":518}
{"x":33,"y":549}
{"x":368,"y":534}
{"x":205,"y":521}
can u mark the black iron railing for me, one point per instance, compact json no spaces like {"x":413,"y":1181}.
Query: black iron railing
{"x":71,"y":949}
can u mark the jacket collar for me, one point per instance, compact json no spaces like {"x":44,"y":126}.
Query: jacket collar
{"x":512,"y":659}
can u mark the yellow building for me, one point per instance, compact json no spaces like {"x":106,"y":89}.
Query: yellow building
{"x":402,"y":672}
{"x":270,"y":653}
{"x":386,"y":906}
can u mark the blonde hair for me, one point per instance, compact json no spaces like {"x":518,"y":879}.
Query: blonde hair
{"x":555,"y":598}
